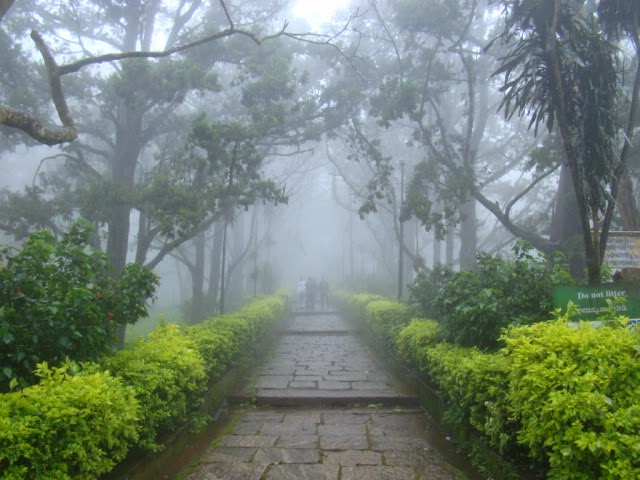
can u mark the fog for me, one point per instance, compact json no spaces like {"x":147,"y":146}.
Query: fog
{"x":286,"y":146}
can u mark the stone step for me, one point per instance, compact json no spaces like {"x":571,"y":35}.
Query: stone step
{"x":316,"y":332}
{"x":313,"y":397}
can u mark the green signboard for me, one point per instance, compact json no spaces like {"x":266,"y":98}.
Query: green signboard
{"x":591,"y":301}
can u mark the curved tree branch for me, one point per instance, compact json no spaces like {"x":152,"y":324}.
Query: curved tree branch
{"x":538,"y":242}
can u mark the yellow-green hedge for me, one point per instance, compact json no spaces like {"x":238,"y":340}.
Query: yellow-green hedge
{"x":79,"y":424}
{"x":71,"y":425}
{"x":566,"y":396}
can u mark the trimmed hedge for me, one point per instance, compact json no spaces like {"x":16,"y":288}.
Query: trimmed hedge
{"x":385,"y":317}
{"x":413,"y":339}
{"x":78,"y":424}
{"x":168,"y":375}
{"x":576,"y":391}
{"x":567,"y":397}
{"x":72,"y":425}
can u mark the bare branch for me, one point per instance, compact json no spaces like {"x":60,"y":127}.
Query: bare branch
{"x":29,"y":124}
{"x":111,"y":57}
{"x":530,"y":187}
{"x":226,"y":13}
{"x":54,"y":74}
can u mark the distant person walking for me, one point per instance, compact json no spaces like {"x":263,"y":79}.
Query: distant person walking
{"x":301,"y":291}
{"x":311,"y":288}
{"x":323,"y":291}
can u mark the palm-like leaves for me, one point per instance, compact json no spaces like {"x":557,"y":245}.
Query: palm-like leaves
{"x":562,"y":71}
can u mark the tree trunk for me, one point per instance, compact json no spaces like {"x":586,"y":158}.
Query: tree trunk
{"x":449,"y":246}
{"x":197,"y":281}
{"x":235,"y":271}
{"x":468,"y":235}
{"x":123,"y":166}
{"x":627,"y":206}
{"x":437,"y":251}
{"x":566,"y":229}
{"x":215,"y":261}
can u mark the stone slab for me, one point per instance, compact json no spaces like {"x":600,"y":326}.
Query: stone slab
{"x":303,"y":472}
{"x":377,"y":473}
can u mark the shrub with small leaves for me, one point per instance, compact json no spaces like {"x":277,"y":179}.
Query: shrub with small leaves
{"x":386,"y":318}
{"x":575,"y":391}
{"x":413,"y":339}
{"x":73,"y":425}
{"x":168,"y":375}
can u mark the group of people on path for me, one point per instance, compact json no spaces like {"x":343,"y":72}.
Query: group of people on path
{"x":309,"y":290}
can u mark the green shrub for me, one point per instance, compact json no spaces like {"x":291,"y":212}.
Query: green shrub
{"x":79,"y":425}
{"x":216,"y":349}
{"x":474,"y":385}
{"x":387,"y":318}
{"x":239,"y":331}
{"x":425,"y":288}
{"x":221,"y":341}
{"x":57,"y":300}
{"x":168,"y":376}
{"x":475,"y":306}
{"x":415,"y":337}
{"x":72,"y":425}
{"x":576,"y":393}
{"x":355,"y":306}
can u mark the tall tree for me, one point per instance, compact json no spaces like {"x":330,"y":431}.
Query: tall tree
{"x":562,"y":70}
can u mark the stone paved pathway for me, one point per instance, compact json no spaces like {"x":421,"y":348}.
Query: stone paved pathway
{"x":321,"y":361}
{"x":332,"y":414}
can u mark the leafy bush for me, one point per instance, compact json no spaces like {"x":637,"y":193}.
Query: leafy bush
{"x":79,"y":424}
{"x":413,"y":339}
{"x":216,"y":348}
{"x":474,"y":384}
{"x":72,"y":425}
{"x":475,"y":306}
{"x":425,"y":288}
{"x":386,"y":318}
{"x":355,"y":306}
{"x":58,"y":300}
{"x":576,"y":391}
{"x":168,"y":375}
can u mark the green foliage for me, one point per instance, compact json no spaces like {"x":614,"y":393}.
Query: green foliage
{"x":168,"y":375}
{"x":59,"y":299}
{"x":425,"y":289}
{"x":575,"y":392}
{"x":227,"y":340}
{"x":387,"y":318}
{"x":33,"y":209}
{"x":566,"y":396}
{"x":224,"y":162}
{"x":355,"y":305}
{"x":474,"y":384}
{"x":475,"y":306}
{"x":215,"y":347}
{"x":171,"y":368}
{"x":560,"y":69}
{"x":143,"y":83}
{"x":78,"y":424}
{"x":395,"y":100}
{"x":414,"y":338}
{"x":72,"y":425}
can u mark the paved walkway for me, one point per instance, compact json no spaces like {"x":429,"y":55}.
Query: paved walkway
{"x":320,"y":361}
{"x":325,"y":410}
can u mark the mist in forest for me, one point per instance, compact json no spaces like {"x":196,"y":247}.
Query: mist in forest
{"x":237,"y":147}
